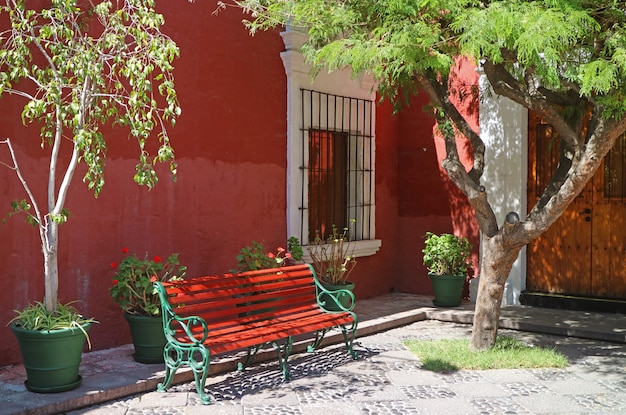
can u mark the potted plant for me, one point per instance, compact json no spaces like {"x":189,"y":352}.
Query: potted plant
{"x":78,"y":69}
{"x":254,"y":257}
{"x":132,"y":289}
{"x":447,"y":258}
{"x":333,"y":261}
{"x":51,"y":345}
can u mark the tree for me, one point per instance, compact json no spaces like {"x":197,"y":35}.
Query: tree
{"x":563,"y":59}
{"x":81,"y":66}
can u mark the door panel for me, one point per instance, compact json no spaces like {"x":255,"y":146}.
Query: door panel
{"x":584,"y":252}
{"x":609,"y":220}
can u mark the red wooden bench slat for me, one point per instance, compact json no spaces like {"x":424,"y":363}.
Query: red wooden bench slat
{"x":228,"y":299}
{"x":225,"y":280}
{"x":256,"y":321}
{"x":245,"y":336}
{"x":203,"y":293}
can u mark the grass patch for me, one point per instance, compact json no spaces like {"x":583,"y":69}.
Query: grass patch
{"x":508,"y":353}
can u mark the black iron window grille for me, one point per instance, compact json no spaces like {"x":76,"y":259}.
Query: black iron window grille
{"x":337,"y":166}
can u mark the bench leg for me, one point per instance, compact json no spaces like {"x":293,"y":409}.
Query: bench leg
{"x":349,"y":333}
{"x":173,"y":360}
{"x":196,"y":357}
{"x":283,"y":356}
{"x":252,"y":351}
{"x":200,"y":368}
{"x":319,"y":336}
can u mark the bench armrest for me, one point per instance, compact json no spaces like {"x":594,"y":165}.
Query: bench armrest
{"x":343,"y":300}
{"x":187,"y":324}
{"x":173,"y":323}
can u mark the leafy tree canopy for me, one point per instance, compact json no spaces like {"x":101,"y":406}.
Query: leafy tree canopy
{"x":561,"y":45}
{"x":81,"y":66}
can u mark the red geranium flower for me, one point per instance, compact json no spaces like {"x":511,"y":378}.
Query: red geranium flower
{"x":115,"y":282}
{"x":124,"y":250}
{"x":157,"y":259}
{"x":113,"y":264}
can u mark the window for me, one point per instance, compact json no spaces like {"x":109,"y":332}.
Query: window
{"x":331,"y":151}
{"x":327,"y":177}
{"x":337,"y":135}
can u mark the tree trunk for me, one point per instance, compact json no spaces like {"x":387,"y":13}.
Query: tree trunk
{"x":50,"y":245}
{"x":496,"y":263}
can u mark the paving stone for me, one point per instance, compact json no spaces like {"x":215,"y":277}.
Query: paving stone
{"x":272,"y":410}
{"x":331,"y":408}
{"x":428,"y":392}
{"x":493,"y":406}
{"x":388,"y":408}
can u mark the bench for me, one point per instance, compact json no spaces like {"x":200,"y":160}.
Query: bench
{"x":212,"y":315}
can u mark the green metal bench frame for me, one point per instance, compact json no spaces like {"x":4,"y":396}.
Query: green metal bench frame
{"x":207,"y":316}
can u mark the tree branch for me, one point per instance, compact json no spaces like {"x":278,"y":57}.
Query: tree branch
{"x":439,"y":96}
{"x":22,"y":180}
{"x":503,"y":83}
{"x":468,"y":183}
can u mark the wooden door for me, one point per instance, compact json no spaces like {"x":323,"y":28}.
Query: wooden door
{"x":584,"y":252}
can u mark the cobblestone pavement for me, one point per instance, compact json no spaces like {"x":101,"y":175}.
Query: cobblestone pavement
{"x":388,"y":379}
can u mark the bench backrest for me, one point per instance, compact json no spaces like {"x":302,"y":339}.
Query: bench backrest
{"x":244,"y":297}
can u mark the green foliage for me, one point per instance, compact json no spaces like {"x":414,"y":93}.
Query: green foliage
{"x":294,"y":247}
{"x":37,"y":317}
{"x":22,"y":206}
{"x":562,"y":43}
{"x":254,"y":257}
{"x":79,"y":68}
{"x":332,"y":257}
{"x":507,"y":353}
{"x":133,"y":286}
{"x":447,"y":254}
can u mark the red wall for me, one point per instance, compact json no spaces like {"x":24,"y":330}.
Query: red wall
{"x":427,"y":199}
{"x":230,"y":144}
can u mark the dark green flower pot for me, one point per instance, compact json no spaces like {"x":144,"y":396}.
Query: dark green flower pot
{"x":344,"y":300}
{"x":148,"y":338}
{"x":51,"y":358}
{"x":448,"y":289}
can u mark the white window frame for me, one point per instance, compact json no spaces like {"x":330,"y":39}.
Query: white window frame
{"x":339,"y":82}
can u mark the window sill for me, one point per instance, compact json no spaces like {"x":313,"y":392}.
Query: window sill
{"x":361,"y":249}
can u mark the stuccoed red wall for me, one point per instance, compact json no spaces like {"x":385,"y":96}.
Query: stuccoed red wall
{"x":427,"y":199}
{"x":230,"y":144}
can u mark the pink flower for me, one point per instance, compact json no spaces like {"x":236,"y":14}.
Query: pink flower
{"x":288,"y":255}
{"x":271,"y":255}
{"x":124,"y":250}
{"x":157,"y":259}
{"x":281,"y":249}
{"x":113,"y":264}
